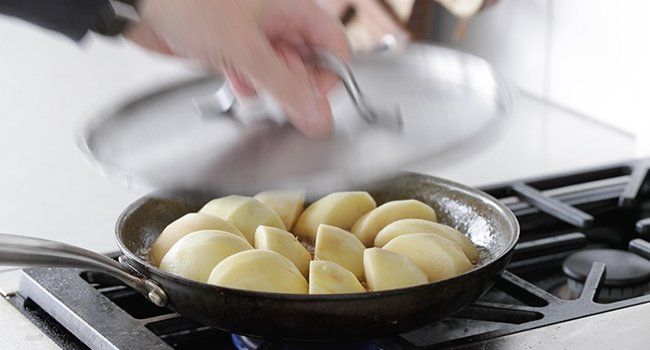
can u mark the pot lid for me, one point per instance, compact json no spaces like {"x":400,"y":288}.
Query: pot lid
{"x":448,"y":103}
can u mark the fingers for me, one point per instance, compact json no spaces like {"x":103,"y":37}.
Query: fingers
{"x":238,"y":38}
{"x":285,"y":77}
{"x":240,"y":84}
{"x":280,"y":70}
{"x":323,"y":30}
{"x":323,"y":79}
{"x":321,"y":126}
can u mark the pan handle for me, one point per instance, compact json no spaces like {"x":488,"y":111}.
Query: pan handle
{"x":29,"y":251}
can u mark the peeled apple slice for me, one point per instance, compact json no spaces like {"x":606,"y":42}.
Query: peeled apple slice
{"x":387,"y":270}
{"x":285,"y":244}
{"x":195,"y":255}
{"x":367,"y":227}
{"x":246,"y":213}
{"x":259,"y":270}
{"x":405,"y":226}
{"x":340,"y":209}
{"x":438,"y":257}
{"x":187,"y":224}
{"x":342,"y":247}
{"x":326,"y":277}
{"x":287,"y":204}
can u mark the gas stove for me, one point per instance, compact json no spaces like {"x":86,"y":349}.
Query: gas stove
{"x":580,"y":271}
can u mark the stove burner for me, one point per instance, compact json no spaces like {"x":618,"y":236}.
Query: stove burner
{"x":79,"y":309}
{"x":627,"y":275}
{"x":248,"y":343}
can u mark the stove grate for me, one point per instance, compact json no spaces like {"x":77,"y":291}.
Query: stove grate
{"x":550,"y":211}
{"x":153,"y":327}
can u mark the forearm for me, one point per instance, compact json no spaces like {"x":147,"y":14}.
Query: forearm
{"x":73,"y":18}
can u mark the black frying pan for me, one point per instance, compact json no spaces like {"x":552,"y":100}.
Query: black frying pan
{"x":291,"y":316}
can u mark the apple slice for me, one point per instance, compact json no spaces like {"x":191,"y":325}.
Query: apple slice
{"x":326,"y":277}
{"x":181,"y":227}
{"x":287,"y":204}
{"x":340,"y":209}
{"x":387,"y":270}
{"x":259,"y":270}
{"x":342,"y":247}
{"x":285,"y":244}
{"x":405,"y":226}
{"x":195,"y":255}
{"x":246,"y":213}
{"x":367,"y":227}
{"x":438,"y":257}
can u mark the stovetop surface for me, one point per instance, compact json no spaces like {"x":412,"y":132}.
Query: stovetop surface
{"x":559,"y":216}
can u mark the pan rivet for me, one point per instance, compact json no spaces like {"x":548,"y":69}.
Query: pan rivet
{"x":155,"y":298}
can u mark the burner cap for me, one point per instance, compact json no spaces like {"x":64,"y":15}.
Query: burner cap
{"x":623,"y":268}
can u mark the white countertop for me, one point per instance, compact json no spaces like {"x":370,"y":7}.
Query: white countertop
{"x":50,"y":86}
{"x":24,"y":334}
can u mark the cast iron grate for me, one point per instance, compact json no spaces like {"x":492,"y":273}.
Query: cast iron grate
{"x":480,"y":321}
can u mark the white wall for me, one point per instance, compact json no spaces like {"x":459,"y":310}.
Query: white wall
{"x":600,"y":61}
{"x":49,"y":88}
{"x":590,"y":56}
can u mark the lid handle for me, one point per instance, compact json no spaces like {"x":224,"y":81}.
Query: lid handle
{"x":223,"y":100}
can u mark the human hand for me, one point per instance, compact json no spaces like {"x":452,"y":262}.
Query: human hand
{"x":255,"y":44}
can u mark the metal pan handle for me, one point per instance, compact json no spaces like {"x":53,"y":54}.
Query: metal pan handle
{"x":29,"y":251}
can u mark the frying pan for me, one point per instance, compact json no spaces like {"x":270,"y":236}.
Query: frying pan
{"x":487,"y":222}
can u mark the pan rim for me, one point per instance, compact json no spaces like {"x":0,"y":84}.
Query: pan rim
{"x":484,"y":197}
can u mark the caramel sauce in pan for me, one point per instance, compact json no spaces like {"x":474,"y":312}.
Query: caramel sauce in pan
{"x":308,"y":245}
